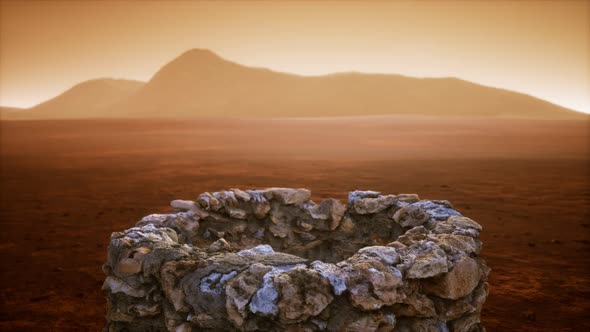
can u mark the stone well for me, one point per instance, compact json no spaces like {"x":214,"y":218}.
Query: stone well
{"x":273,"y":260}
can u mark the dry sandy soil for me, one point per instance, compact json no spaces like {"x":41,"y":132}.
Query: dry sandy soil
{"x":66,"y":185}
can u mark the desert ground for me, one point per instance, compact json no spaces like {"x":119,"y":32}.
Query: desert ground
{"x":67,"y":184}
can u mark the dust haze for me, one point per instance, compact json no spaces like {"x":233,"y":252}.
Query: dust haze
{"x":478,"y":105}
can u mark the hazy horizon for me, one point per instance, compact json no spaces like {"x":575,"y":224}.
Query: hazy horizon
{"x":120,"y":113}
{"x":201,"y":83}
{"x":537,"y":48}
{"x":273,"y":70}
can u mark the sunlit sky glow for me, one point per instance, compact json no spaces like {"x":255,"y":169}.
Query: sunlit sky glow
{"x":541,"y":48}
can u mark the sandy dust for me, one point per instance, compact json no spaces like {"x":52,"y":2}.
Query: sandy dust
{"x":66,"y":185}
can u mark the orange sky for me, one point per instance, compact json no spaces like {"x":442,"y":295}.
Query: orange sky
{"x":539,"y":47}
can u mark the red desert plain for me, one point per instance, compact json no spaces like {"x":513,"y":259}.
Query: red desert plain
{"x":67,"y":184}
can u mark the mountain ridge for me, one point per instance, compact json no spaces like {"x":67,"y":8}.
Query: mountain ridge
{"x":199,"y":82}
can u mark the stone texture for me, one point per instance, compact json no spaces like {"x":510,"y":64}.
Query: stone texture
{"x":273,"y":260}
{"x":240,"y":290}
{"x":290,"y":196}
{"x":371,"y":203}
{"x":428,"y":263}
{"x":372,"y":284}
{"x":410,"y":216}
{"x":303,"y":292}
{"x":458,"y":282}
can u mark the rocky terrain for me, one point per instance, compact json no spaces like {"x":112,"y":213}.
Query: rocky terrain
{"x":274,"y":260}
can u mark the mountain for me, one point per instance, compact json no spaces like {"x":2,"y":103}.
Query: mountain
{"x":8,"y":112}
{"x":201,"y":83}
{"x":87,"y":99}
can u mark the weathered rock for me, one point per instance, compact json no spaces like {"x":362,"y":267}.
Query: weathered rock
{"x":241,"y":195}
{"x":258,"y":250}
{"x":303,"y":293}
{"x":280,"y":228}
{"x":469,"y":323}
{"x":290,"y":196}
{"x":373,"y":322}
{"x":343,"y":317}
{"x":457,"y":246}
{"x":415,"y":304}
{"x":265,"y":300}
{"x":185,"y":224}
{"x":172,"y":273}
{"x":134,"y":261}
{"x":387,"y":255}
{"x":459,"y":226}
{"x":239,"y":292}
{"x":144,"y":310}
{"x":116,"y":285}
{"x":207,"y":201}
{"x":347,"y":225}
{"x":410,"y":216}
{"x":406,"y":324}
{"x":128,"y":250}
{"x":428,"y":264}
{"x":360,"y":194}
{"x":333,"y":274}
{"x":227,"y":198}
{"x":371,"y":284}
{"x":458,"y":282}
{"x":369,"y":205}
{"x":220,"y":245}
{"x":327,"y":214}
{"x":407,"y":198}
{"x":183,"y":205}
{"x":260,"y":205}
{"x":261,"y":209}
{"x":240,"y":260}
{"x":237,"y":213}
{"x":472,"y":303}
{"x":438,"y":210}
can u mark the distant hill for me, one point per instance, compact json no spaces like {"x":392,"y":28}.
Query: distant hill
{"x":87,"y":99}
{"x":200,"y":83}
{"x":6,"y":112}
